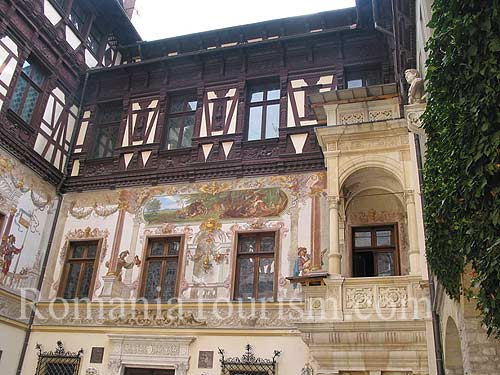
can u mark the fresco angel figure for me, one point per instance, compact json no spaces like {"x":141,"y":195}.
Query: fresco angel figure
{"x":7,"y":251}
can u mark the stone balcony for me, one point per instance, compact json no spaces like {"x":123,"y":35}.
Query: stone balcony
{"x":367,"y":298}
{"x":368,"y":325}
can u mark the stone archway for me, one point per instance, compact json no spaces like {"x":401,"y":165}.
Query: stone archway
{"x":453,"y":361}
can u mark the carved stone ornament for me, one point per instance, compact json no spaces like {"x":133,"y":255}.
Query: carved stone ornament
{"x":392,"y":297}
{"x":416,"y":89}
{"x":220,"y":318}
{"x":91,"y":371}
{"x":307,"y":370}
{"x":169,"y":318}
{"x":359,"y":298}
{"x":149,"y":350}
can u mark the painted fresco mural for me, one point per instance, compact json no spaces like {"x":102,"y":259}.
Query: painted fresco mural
{"x":27,"y":205}
{"x":209,"y":216}
{"x":234,"y":204}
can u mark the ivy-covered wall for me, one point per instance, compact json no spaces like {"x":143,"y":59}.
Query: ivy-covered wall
{"x":462,"y":171}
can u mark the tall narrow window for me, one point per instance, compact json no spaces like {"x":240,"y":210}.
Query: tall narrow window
{"x":78,"y":274}
{"x":77,"y":16}
{"x":94,"y":40}
{"x":106,"y":130}
{"x":374,"y":252}
{"x":263,"y":112}
{"x":255,"y":266}
{"x":160,"y":269}
{"x":180,"y":122}
{"x":27,"y":91}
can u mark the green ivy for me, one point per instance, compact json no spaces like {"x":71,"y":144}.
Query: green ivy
{"x":461,"y":174}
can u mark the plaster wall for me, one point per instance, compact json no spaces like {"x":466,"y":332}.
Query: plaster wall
{"x":11,"y":342}
{"x":293,"y":358}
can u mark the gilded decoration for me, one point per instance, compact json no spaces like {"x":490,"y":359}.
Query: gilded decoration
{"x":84,"y":234}
{"x":207,"y":253}
{"x":16,"y":180}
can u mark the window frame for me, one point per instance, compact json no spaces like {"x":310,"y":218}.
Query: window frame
{"x":67,"y":262}
{"x":364,"y":73}
{"x":236,"y":269}
{"x":146,"y":256}
{"x":264,"y":103}
{"x":182,"y":114}
{"x":40,"y":89}
{"x":374,"y":249}
{"x":97,"y":126}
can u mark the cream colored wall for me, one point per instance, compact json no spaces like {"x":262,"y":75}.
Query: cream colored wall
{"x":93,"y":215}
{"x":11,"y":343}
{"x":293,"y":358}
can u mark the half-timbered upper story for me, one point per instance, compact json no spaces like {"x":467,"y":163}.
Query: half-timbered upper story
{"x":232,"y":102}
{"x":46,"y":48}
{"x":74,"y":79}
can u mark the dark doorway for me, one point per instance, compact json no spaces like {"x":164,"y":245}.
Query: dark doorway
{"x":148,"y":371}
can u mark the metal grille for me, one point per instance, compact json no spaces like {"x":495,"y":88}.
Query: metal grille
{"x":58,"y":362}
{"x":248,"y":364}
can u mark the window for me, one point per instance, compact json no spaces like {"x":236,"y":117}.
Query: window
{"x":27,"y":91}
{"x":255,"y":276}
{"x":78,"y":274}
{"x":362,"y":77}
{"x":106,"y":131}
{"x":160,"y":269}
{"x":77,"y":16}
{"x":263,"y":112}
{"x":94,"y":40}
{"x":374,"y":251}
{"x":58,"y":362}
{"x":180,"y":122}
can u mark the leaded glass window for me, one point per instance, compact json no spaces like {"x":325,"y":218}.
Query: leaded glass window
{"x":263,"y":112}
{"x":27,"y":90}
{"x":180,"y":122}
{"x":78,"y":273}
{"x":161,"y":268}
{"x":255,"y":266}
{"x":107,"y":130}
{"x":374,"y":251}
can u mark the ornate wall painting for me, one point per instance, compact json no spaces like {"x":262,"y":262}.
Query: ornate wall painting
{"x":28,"y":204}
{"x":233,"y":204}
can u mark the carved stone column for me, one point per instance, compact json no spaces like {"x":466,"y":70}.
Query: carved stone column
{"x":334,"y":258}
{"x":112,"y":286}
{"x":414,"y":252}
